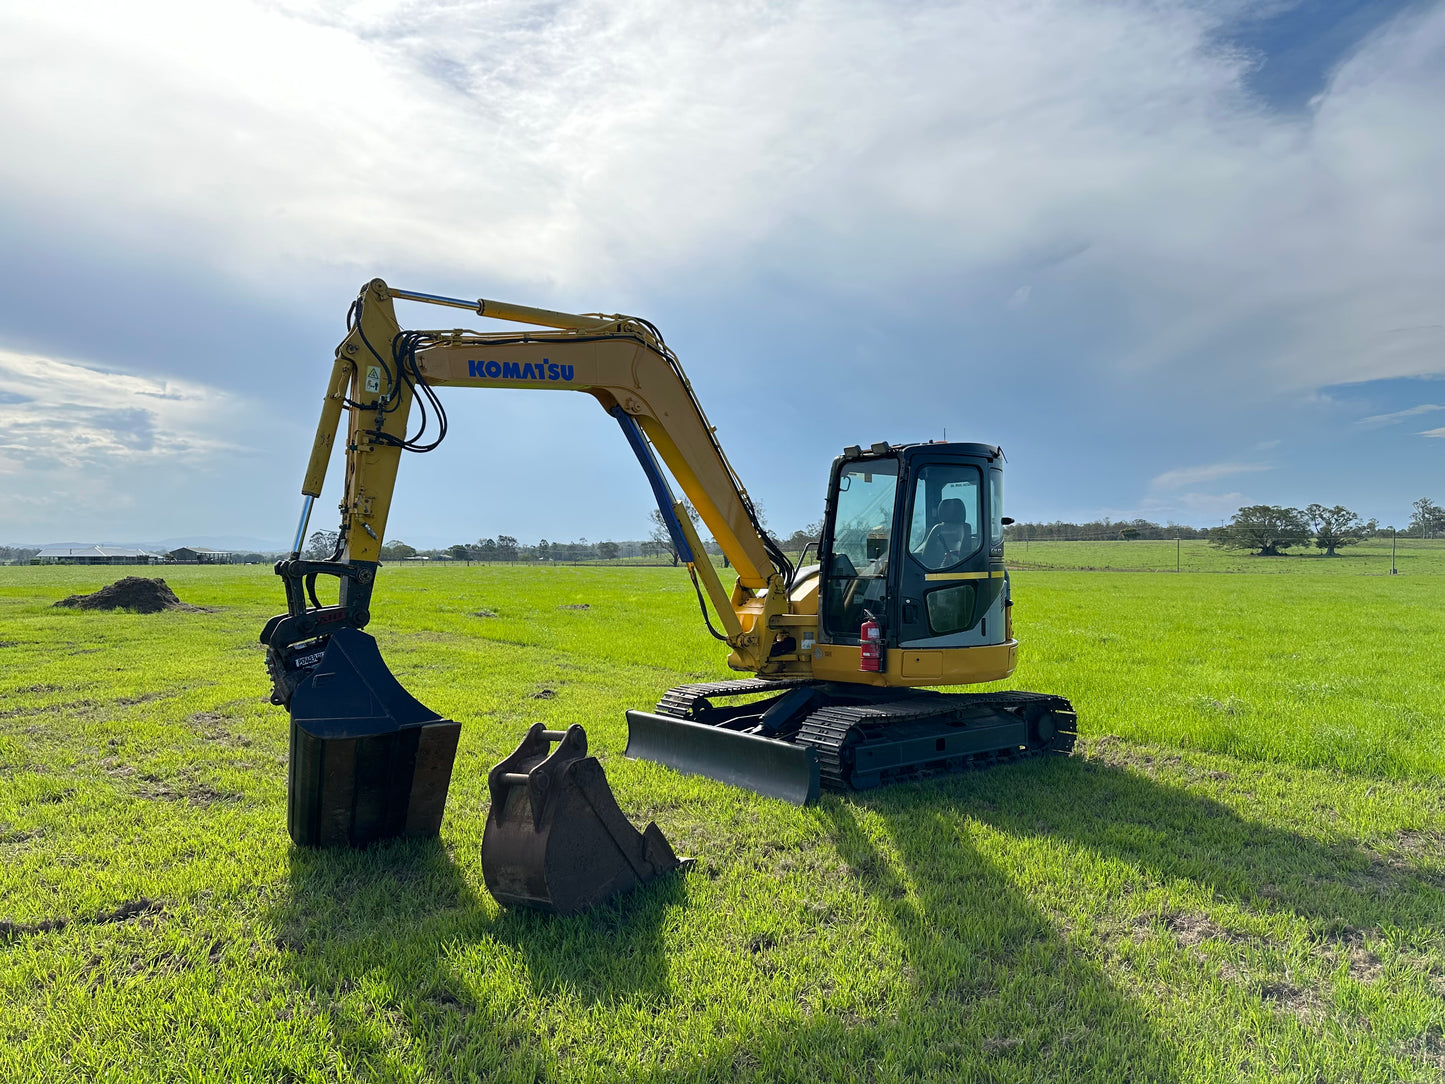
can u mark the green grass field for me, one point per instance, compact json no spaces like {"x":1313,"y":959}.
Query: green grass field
{"x":1240,"y":875}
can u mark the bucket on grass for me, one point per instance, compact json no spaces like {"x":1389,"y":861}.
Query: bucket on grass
{"x":555,"y":838}
{"x":368,"y":760}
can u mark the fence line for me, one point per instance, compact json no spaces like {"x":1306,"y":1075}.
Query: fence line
{"x":1375,"y":556}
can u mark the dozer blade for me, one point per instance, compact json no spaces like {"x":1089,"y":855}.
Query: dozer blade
{"x":768,"y":766}
{"x":555,"y":837}
{"x":368,"y":760}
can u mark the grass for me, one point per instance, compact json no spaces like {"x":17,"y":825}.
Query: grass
{"x":1240,"y":877}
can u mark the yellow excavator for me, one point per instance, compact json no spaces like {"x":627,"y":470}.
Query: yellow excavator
{"x":908,"y":590}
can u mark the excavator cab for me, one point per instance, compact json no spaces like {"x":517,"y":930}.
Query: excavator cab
{"x":912,"y":553}
{"x":910,"y":590}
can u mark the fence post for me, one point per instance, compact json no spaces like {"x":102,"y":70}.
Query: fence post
{"x":1178,"y":547}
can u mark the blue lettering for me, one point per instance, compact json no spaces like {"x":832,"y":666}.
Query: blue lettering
{"x":566,"y":372}
{"x":551,"y":370}
{"x":474,"y":368}
{"x":527,"y":371}
{"x":493,"y":370}
{"x":511,"y":371}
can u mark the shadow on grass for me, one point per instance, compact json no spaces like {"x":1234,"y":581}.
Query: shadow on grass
{"x":1177,"y":834}
{"x":414,"y":972}
{"x":380,"y":943}
{"x":995,"y":993}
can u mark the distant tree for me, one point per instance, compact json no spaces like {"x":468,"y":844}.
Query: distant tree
{"x":397,"y":550}
{"x":1265,"y":528}
{"x":661,"y":537}
{"x":1128,"y":534}
{"x":544,"y":550}
{"x":460,"y":552}
{"x":506,"y":547}
{"x":1336,"y":527}
{"x":320,"y":545}
{"x":799,"y":539}
{"x":1427,"y":518}
{"x":486,"y":549}
{"x":608,"y":551}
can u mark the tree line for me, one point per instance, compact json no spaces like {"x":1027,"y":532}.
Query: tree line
{"x":1267,"y":530}
{"x":1105,"y":529}
{"x":502,"y":548}
{"x":1270,"y":529}
{"x":506,"y":548}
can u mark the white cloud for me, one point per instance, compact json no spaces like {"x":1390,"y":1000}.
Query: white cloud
{"x":596,"y":143}
{"x":1433,"y":432}
{"x":1184,"y":477}
{"x":60,"y":414}
{"x":911,"y":163}
{"x":1399,"y":415}
{"x":82,"y":448}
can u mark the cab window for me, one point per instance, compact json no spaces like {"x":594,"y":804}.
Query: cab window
{"x":995,"y":506}
{"x":944,"y":525}
{"x":862,"y":531}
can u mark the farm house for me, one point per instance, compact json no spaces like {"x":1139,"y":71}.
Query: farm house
{"x":96,"y":555}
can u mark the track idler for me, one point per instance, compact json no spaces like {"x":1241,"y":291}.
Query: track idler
{"x":368,"y":760}
{"x":555,"y":838}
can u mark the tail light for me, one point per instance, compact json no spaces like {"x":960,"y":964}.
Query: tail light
{"x":871,"y":656}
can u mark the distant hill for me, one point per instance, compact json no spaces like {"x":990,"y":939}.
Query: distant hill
{"x":237,"y":543}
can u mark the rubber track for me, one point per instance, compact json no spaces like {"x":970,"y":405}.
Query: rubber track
{"x":831,"y":730}
{"x":680,"y":701}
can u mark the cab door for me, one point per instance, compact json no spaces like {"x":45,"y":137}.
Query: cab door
{"x":858,"y":547}
{"x":948,"y":594}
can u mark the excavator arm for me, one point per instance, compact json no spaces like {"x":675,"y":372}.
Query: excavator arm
{"x":383,"y":374}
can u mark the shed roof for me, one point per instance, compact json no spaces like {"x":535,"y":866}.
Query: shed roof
{"x":94,"y":551}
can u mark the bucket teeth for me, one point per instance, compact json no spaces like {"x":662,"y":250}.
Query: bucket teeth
{"x":555,"y":838}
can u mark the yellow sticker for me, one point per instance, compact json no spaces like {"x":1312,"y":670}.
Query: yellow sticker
{"x":373,"y":378}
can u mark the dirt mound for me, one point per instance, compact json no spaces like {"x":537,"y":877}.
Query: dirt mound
{"x":131,"y":593}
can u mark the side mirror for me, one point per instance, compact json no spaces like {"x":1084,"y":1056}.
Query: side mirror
{"x":1007,"y":520}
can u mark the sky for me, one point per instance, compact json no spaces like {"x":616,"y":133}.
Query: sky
{"x":1174,"y":257}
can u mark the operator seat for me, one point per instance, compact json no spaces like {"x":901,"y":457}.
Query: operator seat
{"x":950,"y":538}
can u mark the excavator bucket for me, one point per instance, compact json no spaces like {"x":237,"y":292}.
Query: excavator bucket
{"x":368,"y":760}
{"x":555,"y":838}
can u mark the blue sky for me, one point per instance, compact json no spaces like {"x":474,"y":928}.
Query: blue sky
{"x":1175,"y":258}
